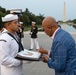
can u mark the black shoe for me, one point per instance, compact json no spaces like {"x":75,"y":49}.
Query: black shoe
{"x":30,"y":49}
{"x":36,"y":49}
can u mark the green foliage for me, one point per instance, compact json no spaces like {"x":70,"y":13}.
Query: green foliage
{"x":27,"y":17}
{"x":74,"y":21}
{"x":3,"y":10}
{"x":1,"y":15}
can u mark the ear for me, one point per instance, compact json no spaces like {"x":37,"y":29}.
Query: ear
{"x":8,"y":23}
{"x":49,"y":26}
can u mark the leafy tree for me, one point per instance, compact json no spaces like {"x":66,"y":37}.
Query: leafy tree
{"x":27,"y":17}
{"x":74,"y":21}
{"x":1,"y":15}
{"x":3,"y":10}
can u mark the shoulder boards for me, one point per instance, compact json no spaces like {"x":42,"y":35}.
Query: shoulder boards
{"x":3,"y":40}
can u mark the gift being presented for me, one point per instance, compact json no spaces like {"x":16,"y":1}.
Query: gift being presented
{"x":28,"y":55}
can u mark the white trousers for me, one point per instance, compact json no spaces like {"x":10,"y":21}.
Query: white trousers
{"x":34,"y":41}
{"x":22,"y":41}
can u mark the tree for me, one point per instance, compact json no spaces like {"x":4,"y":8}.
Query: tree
{"x":74,"y":21}
{"x":27,"y":17}
{"x":3,"y":10}
{"x":1,"y":15}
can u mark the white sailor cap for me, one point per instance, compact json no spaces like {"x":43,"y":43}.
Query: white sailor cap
{"x":16,"y":11}
{"x":9,"y":17}
{"x":20,"y":22}
{"x":33,"y":22}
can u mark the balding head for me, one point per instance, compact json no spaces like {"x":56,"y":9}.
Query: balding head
{"x":48,"y":21}
{"x":49,"y":25}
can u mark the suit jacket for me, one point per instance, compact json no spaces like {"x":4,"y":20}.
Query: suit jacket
{"x":63,"y":54}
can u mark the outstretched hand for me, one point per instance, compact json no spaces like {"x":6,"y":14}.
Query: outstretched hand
{"x":43,"y":51}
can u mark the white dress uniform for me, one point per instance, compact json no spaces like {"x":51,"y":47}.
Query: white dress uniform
{"x":8,"y":51}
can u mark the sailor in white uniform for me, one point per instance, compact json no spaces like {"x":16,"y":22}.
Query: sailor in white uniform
{"x":9,"y":47}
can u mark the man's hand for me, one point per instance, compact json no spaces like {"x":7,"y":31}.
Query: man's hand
{"x":42,"y":51}
{"x":46,"y":58}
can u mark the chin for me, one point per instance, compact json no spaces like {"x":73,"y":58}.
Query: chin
{"x":50,"y":35}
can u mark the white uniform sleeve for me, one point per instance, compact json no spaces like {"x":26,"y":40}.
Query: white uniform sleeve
{"x":5,"y":58}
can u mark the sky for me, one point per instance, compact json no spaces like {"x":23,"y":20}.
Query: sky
{"x":54,"y":8}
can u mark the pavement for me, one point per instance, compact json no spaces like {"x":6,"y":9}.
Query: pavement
{"x":39,"y":67}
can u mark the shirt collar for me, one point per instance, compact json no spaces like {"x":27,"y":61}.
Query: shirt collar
{"x":52,"y":37}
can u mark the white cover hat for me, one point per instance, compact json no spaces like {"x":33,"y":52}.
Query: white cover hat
{"x":33,"y":22}
{"x":20,"y":22}
{"x":15,"y":11}
{"x":9,"y":17}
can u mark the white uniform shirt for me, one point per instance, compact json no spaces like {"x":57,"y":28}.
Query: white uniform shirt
{"x":8,"y":51}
